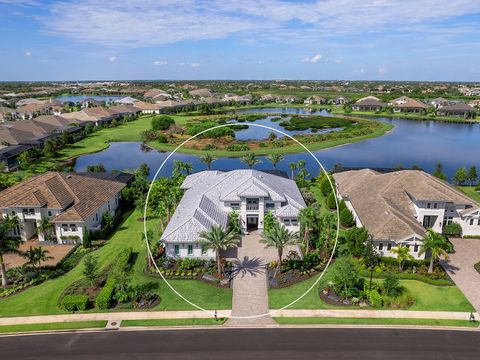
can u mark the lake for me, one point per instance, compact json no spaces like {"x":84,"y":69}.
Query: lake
{"x":78,"y":98}
{"x":424,"y":143}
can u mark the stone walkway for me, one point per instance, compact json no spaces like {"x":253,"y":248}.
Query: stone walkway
{"x":250,"y":286}
{"x":461,"y":270}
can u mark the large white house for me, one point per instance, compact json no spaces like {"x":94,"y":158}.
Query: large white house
{"x":211,"y":195}
{"x":396,"y":208}
{"x":73,"y":202}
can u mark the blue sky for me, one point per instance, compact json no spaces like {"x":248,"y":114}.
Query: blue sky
{"x":248,"y":39}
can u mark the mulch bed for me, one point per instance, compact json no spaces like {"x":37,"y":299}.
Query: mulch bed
{"x":288,"y":278}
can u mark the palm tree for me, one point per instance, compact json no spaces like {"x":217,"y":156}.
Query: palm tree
{"x":275,"y":159}
{"x":45,"y":227}
{"x":207,"y":159}
{"x":8,"y":244}
{"x":307,"y":218}
{"x":250,"y":160}
{"x":279,"y":237}
{"x":218,"y":239}
{"x":293,"y":167}
{"x":403,"y":254}
{"x":35,"y":256}
{"x":437,"y":245}
{"x":188,"y":167}
{"x":301,"y":164}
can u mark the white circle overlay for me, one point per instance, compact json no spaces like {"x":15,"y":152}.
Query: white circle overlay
{"x":219,"y":313}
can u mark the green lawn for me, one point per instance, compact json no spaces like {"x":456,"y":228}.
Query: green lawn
{"x":373,"y":321}
{"x":427,"y":297}
{"x":471,"y":192}
{"x":42,"y":299}
{"x":53,"y":326}
{"x":173,"y":322}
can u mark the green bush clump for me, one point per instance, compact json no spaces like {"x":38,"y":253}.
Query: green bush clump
{"x":331,"y":203}
{"x":74,"y":302}
{"x":197,"y":127}
{"x":162,"y":122}
{"x":375,"y":298}
{"x":105,"y":296}
{"x":452,"y":229}
{"x":162,"y":138}
{"x":302,"y":123}
{"x":346,"y":218}
{"x":237,"y":147}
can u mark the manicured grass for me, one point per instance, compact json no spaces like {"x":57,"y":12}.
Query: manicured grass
{"x":53,"y":326}
{"x":173,"y":322}
{"x":373,"y":321}
{"x":42,"y":299}
{"x":427,"y":297}
{"x":471,"y":192}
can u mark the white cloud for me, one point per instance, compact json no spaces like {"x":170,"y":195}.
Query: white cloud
{"x":339,"y":61}
{"x":112,"y":58}
{"x":194,"y":65}
{"x":383,"y":70}
{"x":160,"y":62}
{"x":141,"y":23}
{"x":313,"y":60}
{"x":27,"y":53}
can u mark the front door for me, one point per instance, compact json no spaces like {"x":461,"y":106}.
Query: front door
{"x":252,"y":223}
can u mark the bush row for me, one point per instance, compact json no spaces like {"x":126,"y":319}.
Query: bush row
{"x":74,"y":302}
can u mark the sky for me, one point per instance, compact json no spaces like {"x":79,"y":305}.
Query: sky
{"x":422,"y":40}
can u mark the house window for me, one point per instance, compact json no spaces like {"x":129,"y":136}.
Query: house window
{"x":380,"y":246}
{"x":471,"y":221}
{"x":235,"y":206}
{"x":49,"y":213}
{"x":204,"y":251}
{"x":109,"y":206}
{"x":31,"y":211}
{"x":389,"y":246}
{"x":286,"y":222}
{"x":73,"y":227}
{"x":415,"y":249}
{"x":177,"y":250}
{"x":65,"y":227}
{"x":478,"y":222}
{"x":429,"y":205}
{"x":96,"y":217}
{"x":294,"y":222}
{"x":190,"y":250}
{"x":269,"y":205}
{"x":14,"y":213}
{"x":435,"y":205}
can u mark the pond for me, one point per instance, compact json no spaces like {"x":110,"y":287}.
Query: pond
{"x":78,"y":98}
{"x":424,"y":143}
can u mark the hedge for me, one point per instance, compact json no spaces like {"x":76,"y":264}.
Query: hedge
{"x":74,"y":302}
{"x":105,"y":296}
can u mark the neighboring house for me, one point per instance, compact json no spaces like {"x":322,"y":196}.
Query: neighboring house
{"x":438,"y":102}
{"x":9,"y":155}
{"x":154,"y":93}
{"x":409,"y":105}
{"x":397,"y":207}
{"x":73,"y":202}
{"x":315,"y":99}
{"x":268,"y":98}
{"x":89,"y":102}
{"x":147,"y":108}
{"x":126,"y":101}
{"x":369,"y":103}
{"x":459,"y":109}
{"x":7,"y":114}
{"x":201,"y":93}
{"x":340,"y":100}
{"x":211,"y":195}
{"x":28,"y":101}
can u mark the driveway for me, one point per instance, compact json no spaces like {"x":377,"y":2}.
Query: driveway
{"x":250,"y":285}
{"x":461,"y":270}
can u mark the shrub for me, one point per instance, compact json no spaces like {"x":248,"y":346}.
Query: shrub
{"x":325,"y":186}
{"x":162,"y":122}
{"x":452,"y":229}
{"x":237,"y":147}
{"x":375,"y":298}
{"x":331,"y":203}
{"x":161,"y":138}
{"x":105,"y":296}
{"x":74,"y":302}
{"x":87,"y":239}
{"x":346,"y":218}
{"x":391,"y":284}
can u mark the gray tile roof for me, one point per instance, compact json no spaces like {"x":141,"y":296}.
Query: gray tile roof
{"x":202,"y":204}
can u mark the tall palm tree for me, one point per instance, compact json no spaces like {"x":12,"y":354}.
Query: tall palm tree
{"x":45,"y":227}
{"x":275,"y":159}
{"x":437,"y":245}
{"x":208,"y":159}
{"x":250,"y":160}
{"x":8,"y":243}
{"x":218,"y":239}
{"x":279,"y":237}
{"x":293,"y":166}
{"x":307,"y":218}
{"x":188,"y":167}
{"x":403,"y":254}
{"x":301,"y":164}
{"x":35,"y":256}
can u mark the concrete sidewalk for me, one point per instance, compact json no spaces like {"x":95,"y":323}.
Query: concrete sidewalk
{"x":149,"y":315}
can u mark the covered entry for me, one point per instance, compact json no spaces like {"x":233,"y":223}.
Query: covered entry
{"x":252,"y":222}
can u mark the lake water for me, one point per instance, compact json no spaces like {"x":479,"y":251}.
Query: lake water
{"x":78,"y":98}
{"x":423,"y":143}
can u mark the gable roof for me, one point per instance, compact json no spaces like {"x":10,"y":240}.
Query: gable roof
{"x":202,"y":204}
{"x":384,"y":202}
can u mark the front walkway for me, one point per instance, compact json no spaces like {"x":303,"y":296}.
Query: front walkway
{"x":57,"y":252}
{"x":461,"y":270}
{"x":250,"y":286}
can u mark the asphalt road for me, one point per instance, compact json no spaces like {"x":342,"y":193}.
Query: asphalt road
{"x":230,"y":344}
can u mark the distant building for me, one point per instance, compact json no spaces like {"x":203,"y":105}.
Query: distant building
{"x":408,"y":105}
{"x":340,"y":100}
{"x":459,"y":109}
{"x":369,"y":103}
{"x":315,"y":99}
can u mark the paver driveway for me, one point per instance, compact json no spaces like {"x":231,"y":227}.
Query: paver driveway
{"x":461,"y":270}
{"x":250,"y":286}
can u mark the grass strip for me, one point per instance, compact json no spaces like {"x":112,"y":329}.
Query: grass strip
{"x":173,"y":322}
{"x":53,"y":326}
{"x":373,"y":321}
